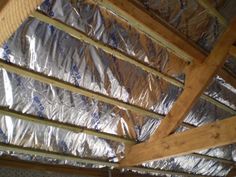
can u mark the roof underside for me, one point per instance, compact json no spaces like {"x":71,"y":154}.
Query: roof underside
{"x":106,"y":129}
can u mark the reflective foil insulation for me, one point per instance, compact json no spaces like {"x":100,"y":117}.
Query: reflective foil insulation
{"x":43,"y":48}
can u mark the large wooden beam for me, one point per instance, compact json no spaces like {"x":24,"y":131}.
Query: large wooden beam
{"x":12,"y":14}
{"x":198,"y":78}
{"x":209,"y":136}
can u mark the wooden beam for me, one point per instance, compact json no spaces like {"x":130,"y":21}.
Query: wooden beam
{"x":208,"y":136}
{"x":212,"y":11}
{"x":232,"y":51}
{"x":197,"y":79}
{"x":12,"y":14}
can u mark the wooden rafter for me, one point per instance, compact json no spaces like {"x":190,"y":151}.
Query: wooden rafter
{"x":212,"y":135}
{"x":12,"y":14}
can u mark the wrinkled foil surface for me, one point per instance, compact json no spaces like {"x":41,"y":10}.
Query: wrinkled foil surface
{"x":43,"y":48}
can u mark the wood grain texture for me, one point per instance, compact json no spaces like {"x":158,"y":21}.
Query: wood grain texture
{"x":209,"y":136}
{"x":12,"y":15}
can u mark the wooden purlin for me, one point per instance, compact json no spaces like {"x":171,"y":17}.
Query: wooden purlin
{"x":12,"y":15}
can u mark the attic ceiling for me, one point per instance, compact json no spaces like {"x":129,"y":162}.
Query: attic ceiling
{"x":87,"y":83}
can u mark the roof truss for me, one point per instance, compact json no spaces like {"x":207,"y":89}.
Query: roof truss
{"x":175,"y":43}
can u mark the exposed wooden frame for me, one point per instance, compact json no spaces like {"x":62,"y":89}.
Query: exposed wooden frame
{"x":197,"y":79}
{"x":83,"y":37}
{"x":212,"y":10}
{"x":77,"y":129}
{"x":13,"y":13}
{"x":131,"y":61}
{"x":58,"y":156}
{"x":216,"y":134}
{"x":158,"y":31}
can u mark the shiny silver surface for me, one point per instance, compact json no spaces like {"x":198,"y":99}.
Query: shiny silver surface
{"x":45,"y":49}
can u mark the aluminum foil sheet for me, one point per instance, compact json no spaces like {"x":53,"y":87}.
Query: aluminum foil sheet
{"x":55,"y":53}
{"x":223,"y":92}
{"x":189,"y":18}
{"x":190,"y":164}
{"x":109,"y":28}
{"x":45,"y":49}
